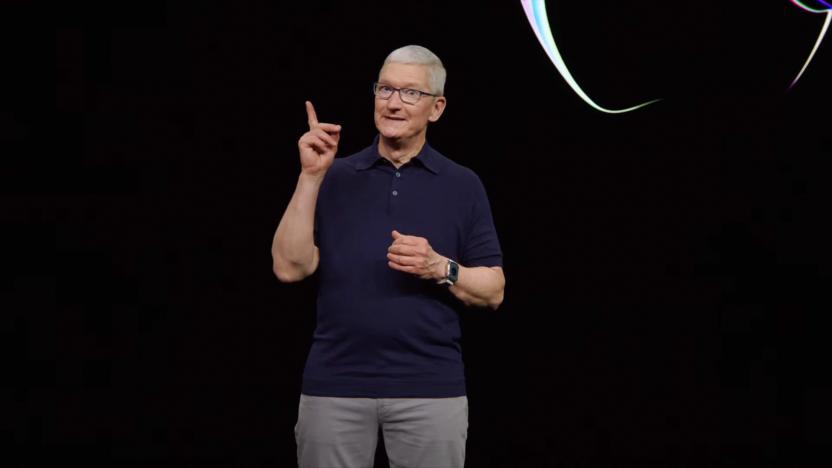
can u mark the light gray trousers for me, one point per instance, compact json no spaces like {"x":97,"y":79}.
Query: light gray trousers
{"x":334,"y":432}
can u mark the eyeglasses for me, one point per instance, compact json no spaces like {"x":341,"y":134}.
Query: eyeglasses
{"x":407,"y":95}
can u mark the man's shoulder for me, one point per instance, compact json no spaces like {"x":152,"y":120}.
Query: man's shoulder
{"x":352,"y":161}
{"x":454,"y":169}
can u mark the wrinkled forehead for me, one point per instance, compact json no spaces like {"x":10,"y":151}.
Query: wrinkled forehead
{"x":404,"y":75}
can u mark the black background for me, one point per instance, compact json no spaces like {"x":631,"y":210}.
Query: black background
{"x":666,"y":268}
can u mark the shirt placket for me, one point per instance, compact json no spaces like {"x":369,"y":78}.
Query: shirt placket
{"x":395,"y":192}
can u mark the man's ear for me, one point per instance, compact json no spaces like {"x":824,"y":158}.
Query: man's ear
{"x":438,"y":109}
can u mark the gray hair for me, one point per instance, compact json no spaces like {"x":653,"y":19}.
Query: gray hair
{"x":421,"y":56}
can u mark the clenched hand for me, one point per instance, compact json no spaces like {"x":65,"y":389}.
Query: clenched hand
{"x":414,"y":255}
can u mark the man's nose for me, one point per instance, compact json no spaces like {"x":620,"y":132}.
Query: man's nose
{"x":395,"y":100}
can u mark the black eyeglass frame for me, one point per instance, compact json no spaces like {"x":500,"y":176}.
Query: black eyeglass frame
{"x":376,"y":84}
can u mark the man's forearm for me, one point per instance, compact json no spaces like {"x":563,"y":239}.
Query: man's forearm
{"x":480,"y":286}
{"x":293,"y":247}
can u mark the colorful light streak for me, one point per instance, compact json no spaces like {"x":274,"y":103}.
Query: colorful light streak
{"x":825,"y":11}
{"x":539,"y":21}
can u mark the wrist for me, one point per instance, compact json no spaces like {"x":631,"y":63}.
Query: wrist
{"x":440,"y":269}
{"x":310,"y":181}
{"x":450,"y":272}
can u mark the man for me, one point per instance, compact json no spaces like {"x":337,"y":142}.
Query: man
{"x":401,"y":236}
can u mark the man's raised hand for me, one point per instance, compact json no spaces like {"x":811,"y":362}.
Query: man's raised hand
{"x":319,"y":145}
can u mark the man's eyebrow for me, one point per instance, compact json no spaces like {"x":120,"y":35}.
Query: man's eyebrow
{"x":408,"y":84}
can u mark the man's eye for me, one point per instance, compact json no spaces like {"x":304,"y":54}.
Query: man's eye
{"x":385,"y":89}
{"x":410,"y":92}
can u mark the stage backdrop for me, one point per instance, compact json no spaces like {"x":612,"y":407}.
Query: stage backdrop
{"x":666,"y":268}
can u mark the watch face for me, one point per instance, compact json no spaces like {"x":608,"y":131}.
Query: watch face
{"x":453,"y":271}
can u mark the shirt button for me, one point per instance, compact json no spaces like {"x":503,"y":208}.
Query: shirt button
{"x":395,"y":192}
{"x":398,"y":174}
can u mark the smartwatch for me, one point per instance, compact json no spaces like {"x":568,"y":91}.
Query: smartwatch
{"x":451,"y":273}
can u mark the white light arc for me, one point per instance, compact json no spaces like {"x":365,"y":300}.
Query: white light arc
{"x":817,"y":44}
{"x":539,"y":20}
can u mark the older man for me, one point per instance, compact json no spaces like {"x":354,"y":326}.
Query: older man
{"x":400,"y":236}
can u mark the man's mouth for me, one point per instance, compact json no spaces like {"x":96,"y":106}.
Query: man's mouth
{"x":398,"y":119}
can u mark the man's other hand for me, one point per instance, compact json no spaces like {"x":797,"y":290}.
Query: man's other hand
{"x":414,"y":255}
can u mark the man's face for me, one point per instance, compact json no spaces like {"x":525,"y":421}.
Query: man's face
{"x":399,"y":120}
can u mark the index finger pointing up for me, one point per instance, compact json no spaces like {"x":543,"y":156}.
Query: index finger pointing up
{"x":311,"y":117}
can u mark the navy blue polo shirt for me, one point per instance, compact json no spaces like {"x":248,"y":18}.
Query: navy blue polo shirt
{"x":382,"y":333}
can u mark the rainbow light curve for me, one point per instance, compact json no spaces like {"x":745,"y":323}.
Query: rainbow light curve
{"x":803,"y":4}
{"x":539,"y":20}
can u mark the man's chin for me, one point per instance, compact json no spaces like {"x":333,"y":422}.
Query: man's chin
{"x":390,"y":134}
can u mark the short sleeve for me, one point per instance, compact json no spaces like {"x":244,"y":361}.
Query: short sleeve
{"x":481,"y":246}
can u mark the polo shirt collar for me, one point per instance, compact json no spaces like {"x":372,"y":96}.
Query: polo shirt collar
{"x":426,"y":157}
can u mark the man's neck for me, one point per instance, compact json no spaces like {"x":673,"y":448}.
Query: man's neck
{"x":400,"y":151}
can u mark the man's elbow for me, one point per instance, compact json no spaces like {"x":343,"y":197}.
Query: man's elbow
{"x":287,"y":273}
{"x":497,"y":300}
{"x":284,"y":276}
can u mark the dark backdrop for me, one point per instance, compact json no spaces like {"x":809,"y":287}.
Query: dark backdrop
{"x":666,"y":268}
